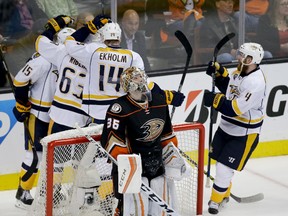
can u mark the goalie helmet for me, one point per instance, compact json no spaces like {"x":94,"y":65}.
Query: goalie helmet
{"x":135,"y":80}
{"x":111,"y":31}
{"x":254,"y":50}
{"x":63,"y":34}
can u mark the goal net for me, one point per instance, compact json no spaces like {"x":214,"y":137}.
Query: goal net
{"x":75,"y":175}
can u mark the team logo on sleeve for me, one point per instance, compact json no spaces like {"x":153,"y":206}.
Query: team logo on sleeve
{"x":116,"y":108}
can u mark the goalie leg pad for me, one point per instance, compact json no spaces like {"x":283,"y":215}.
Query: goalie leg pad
{"x":129,"y":173}
{"x":137,"y":203}
{"x":164,"y":187}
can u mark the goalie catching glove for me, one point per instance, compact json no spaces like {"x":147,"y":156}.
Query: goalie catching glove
{"x":217,"y":68}
{"x":215,"y":99}
{"x":98,"y":22}
{"x":21,"y":111}
{"x":59,"y":22}
{"x":176,"y":167}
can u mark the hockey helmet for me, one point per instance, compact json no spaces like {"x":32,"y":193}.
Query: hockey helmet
{"x":111,"y":31}
{"x":97,"y":37}
{"x":133,"y":79}
{"x":254,"y":50}
{"x":63,"y":34}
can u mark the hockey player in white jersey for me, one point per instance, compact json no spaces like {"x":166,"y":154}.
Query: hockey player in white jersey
{"x":241,"y":103}
{"x":66,"y":107}
{"x":34,"y":87}
{"x":66,"y":110}
{"x":105,"y":63}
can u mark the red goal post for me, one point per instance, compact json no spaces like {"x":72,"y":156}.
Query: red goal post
{"x":70,"y":148}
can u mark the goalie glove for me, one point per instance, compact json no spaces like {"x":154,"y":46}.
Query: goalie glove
{"x":216,"y":100}
{"x":176,"y":167}
{"x":174,"y":98}
{"x":21,"y":111}
{"x":98,"y":22}
{"x":59,"y":22}
{"x":217,"y":68}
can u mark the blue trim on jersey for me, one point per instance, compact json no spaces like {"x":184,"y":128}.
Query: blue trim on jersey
{"x":24,"y":166}
{"x":40,"y":108}
{"x":219,"y":189}
{"x":222,"y":83}
{"x":81,"y":34}
{"x":70,"y":108}
{"x":227,"y":109}
{"x":97,"y":102}
{"x":241,"y":124}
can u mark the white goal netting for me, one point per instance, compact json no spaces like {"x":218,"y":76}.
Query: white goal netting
{"x":75,"y":176}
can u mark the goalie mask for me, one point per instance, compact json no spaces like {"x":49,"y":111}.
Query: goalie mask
{"x":254,"y":50}
{"x":134,"y":81}
{"x":63,"y":34}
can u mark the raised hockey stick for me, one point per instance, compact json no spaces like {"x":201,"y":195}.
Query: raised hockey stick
{"x":33,"y":166}
{"x":188,"y":48}
{"x":144,"y":187}
{"x":220,"y":44}
{"x":248,"y":199}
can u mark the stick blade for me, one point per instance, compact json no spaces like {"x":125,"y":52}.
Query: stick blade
{"x":249,"y":199}
{"x":184,"y":41}
{"x":222,"y":42}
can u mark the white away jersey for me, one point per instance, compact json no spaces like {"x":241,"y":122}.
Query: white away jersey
{"x":104,"y":65}
{"x":66,"y":107}
{"x":42,"y":76}
{"x":248,"y":96}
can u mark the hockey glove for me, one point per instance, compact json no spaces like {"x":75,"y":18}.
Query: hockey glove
{"x":98,"y":22}
{"x":21,"y":112}
{"x":59,"y":22}
{"x":217,"y":68}
{"x":174,"y":98}
{"x":213,"y":99}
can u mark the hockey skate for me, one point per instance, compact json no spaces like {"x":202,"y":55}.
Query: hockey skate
{"x":23,"y":198}
{"x":214,"y":207}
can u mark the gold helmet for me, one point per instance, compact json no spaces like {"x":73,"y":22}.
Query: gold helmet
{"x":134,"y":79}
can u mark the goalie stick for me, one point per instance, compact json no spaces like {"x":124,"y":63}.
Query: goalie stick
{"x":184,"y":41}
{"x":33,"y":166}
{"x":144,"y":188}
{"x":248,"y":199}
{"x":219,"y":45}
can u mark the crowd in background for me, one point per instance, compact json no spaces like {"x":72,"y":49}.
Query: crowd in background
{"x":150,"y":25}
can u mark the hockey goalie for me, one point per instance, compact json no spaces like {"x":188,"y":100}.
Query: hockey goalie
{"x":138,"y":133}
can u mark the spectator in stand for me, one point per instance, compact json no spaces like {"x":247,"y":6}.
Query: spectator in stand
{"x":54,"y":8}
{"x":172,"y":15}
{"x":19,"y":21}
{"x":24,"y":47}
{"x":82,"y":19}
{"x":272,"y":30}
{"x":216,"y":25}
{"x":254,"y":10}
{"x":132,"y":38}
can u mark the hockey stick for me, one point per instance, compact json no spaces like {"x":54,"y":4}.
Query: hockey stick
{"x":184,"y":41}
{"x":249,"y":199}
{"x":144,"y":188}
{"x":33,"y":166}
{"x":220,"y":44}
